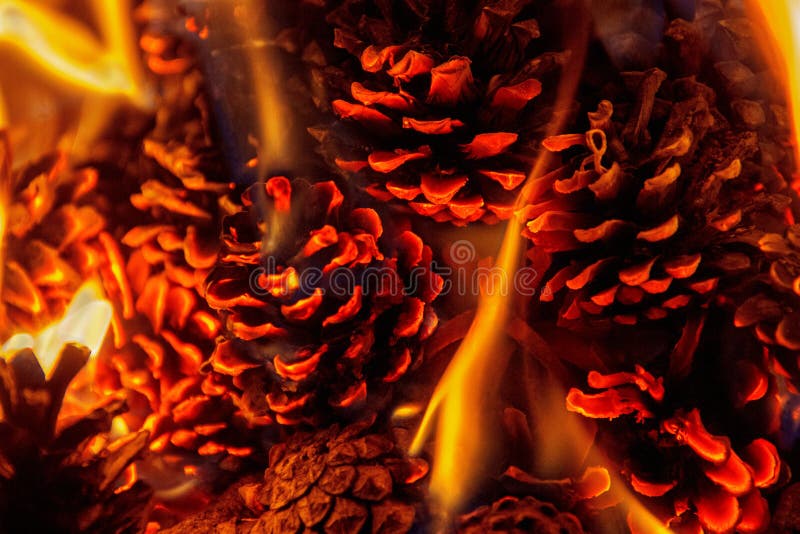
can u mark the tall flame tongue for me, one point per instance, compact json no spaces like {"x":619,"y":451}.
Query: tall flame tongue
{"x":459,"y":410}
{"x":782,"y":17}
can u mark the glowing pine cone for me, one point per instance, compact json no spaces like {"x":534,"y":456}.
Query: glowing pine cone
{"x":51,"y":238}
{"x":515,"y":515}
{"x":441,"y":117}
{"x":688,"y":476}
{"x":59,"y":475}
{"x":636,"y":230}
{"x":337,"y":480}
{"x":322,"y":305}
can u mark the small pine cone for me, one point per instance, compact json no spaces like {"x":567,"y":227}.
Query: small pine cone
{"x":63,"y":474}
{"x":51,"y":238}
{"x":688,"y":476}
{"x":516,"y":515}
{"x":440,"y":117}
{"x":635,"y":231}
{"x":336,"y":480}
{"x":321,"y":304}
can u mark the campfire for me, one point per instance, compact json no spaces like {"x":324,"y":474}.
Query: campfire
{"x":392,"y":266}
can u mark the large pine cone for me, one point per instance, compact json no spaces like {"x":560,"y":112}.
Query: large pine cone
{"x":699,"y":450}
{"x":639,"y":234}
{"x":63,"y":475}
{"x":514,"y":515}
{"x":336,"y":480}
{"x":322,"y":304}
{"x":441,"y":117}
{"x":51,"y":239}
{"x":661,"y":193}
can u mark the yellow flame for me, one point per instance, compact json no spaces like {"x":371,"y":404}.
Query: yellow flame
{"x":273,"y":119}
{"x":68,"y":51}
{"x":460,"y":410}
{"x":86,"y":321}
{"x":782,"y":17}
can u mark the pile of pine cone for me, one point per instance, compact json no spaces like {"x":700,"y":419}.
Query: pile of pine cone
{"x":662,"y":233}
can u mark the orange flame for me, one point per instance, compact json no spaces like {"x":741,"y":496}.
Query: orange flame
{"x":460,"y":405}
{"x":782,"y":17}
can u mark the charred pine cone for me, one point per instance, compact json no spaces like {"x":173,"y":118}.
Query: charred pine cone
{"x":63,"y":474}
{"x":515,"y":515}
{"x":322,"y":306}
{"x":337,"y":480}
{"x":433,"y":119}
{"x":698,"y":454}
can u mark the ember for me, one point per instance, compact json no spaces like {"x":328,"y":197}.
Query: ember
{"x":399,"y":266}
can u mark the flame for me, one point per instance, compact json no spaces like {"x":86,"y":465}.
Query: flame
{"x":459,"y":410}
{"x":459,"y":407}
{"x":782,"y":17}
{"x":49,"y":52}
{"x":86,"y":321}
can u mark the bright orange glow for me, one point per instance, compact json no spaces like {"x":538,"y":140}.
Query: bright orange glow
{"x":783,"y":19}
{"x":85,"y":321}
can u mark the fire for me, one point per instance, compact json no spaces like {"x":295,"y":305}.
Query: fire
{"x":459,"y":407}
{"x":782,"y":17}
{"x":85,"y":321}
{"x":58,"y":52}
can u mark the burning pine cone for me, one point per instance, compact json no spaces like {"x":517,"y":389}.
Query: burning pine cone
{"x":336,"y":480}
{"x":673,"y":454}
{"x":321,"y":303}
{"x":638,"y":233}
{"x":170,"y":238}
{"x":63,"y":475}
{"x":51,"y":238}
{"x":441,"y":118}
{"x":663,"y":193}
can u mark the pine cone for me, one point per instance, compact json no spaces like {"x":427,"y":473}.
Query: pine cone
{"x":52,"y":239}
{"x":638,"y":232}
{"x":515,"y":515}
{"x":658,"y":203}
{"x":59,"y":475}
{"x":336,"y":480}
{"x":440,"y":118}
{"x":305,"y":337}
{"x":698,"y":452}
